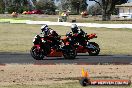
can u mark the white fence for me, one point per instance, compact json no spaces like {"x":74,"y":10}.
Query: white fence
{"x":82,"y":24}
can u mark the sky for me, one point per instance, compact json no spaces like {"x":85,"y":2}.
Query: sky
{"x":90,"y":2}
{"x":130,"y":0}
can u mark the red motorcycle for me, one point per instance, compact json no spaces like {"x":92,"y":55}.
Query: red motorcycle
{"x":43,"y":46}
{"x":86,"y":46}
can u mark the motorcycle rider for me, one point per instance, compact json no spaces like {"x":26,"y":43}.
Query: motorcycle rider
{"x":51,"y":34}
{"x":78,"y":34}
{"x":76,"y":30}
{"x":45,"y":30}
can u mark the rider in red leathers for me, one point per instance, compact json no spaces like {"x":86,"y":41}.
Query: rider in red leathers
{"x":52,"y":35}
{"x":78,"y":34}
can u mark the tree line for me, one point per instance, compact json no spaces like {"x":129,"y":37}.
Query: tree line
{"x":104,"y":7}
{"x":107,"y":7}
{"x":48,"y":6}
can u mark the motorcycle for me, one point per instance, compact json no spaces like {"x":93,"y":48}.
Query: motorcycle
{"x":43,"y":47}
{"x":86,"y":46}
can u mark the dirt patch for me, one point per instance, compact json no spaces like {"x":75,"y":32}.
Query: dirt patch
{"x":50,"y":74}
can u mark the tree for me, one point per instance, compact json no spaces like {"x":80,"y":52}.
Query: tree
{"x":95,"y":10}
{"x":74,"y":5}
{"x":108,"y":7}
{"x":83,"y":5}
{"x":48,"y":6}
{"x":64,"y":5}
{"x":16,"y":5}
{"x":79,"y":5}
{"x":20,"y":5}
{"x":2,"y":6}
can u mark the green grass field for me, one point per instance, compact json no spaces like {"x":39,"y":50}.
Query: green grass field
{"x":66,"y":85}
{"x":54,"y":18}
{"x":18,"y":38}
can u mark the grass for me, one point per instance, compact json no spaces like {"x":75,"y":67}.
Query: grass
{"x":18,"y":38}
{"x":67,"y":85}
{"x":89,"y":19}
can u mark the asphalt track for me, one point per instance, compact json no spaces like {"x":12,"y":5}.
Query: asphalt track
{"x":18,"y":58}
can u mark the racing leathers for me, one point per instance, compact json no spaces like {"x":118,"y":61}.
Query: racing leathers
{"x":52,"y":36}
{"x":79,"y":36}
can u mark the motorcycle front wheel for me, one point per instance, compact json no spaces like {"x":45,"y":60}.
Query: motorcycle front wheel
{"x":95,"y":51}
{"x":37,"y":54}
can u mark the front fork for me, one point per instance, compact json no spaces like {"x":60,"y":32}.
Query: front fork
{"x":38,"y":48}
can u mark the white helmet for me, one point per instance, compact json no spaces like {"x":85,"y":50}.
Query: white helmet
{"x":44,"y":27}
{"x":74,"y":28}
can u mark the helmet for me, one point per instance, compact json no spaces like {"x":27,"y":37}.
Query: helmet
{"x":74,"y":28}
{"x":44,"y":27}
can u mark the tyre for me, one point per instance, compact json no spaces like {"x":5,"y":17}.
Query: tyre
{"x":85,"y":82}
{"x":37,"y":54}
{"x":95,"y":51}
{"x":69,"y":52}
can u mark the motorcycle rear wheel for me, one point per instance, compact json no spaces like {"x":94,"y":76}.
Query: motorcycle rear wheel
{"x":69,"y":53}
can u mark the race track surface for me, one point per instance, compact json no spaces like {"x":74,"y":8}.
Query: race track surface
{"x":16,"y":58}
